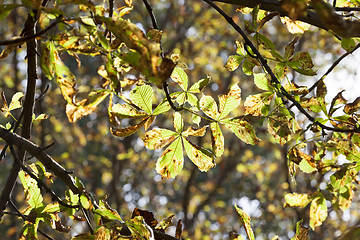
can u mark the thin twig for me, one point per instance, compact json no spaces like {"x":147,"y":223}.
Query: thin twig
{"x":272,"y":75}
{"x":40,"y":183}
{"x":151,"y":13}
{"x":27,"y":38}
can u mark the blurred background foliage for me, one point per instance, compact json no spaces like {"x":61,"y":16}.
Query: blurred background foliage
{"x":254,"y":177}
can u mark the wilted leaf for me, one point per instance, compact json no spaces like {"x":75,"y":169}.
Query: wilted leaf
{"x":148,"y":216}
{"x":254,"y":103}
{"x":165,"y":223}
{"x":295,"y":27}
{"x":9,"y":48}
{"x":233,"y":62}
{"x":302,"y":63}
{"x":293,"y":88}
{"x":290,"y":48}
{"x":198,"y":132}
{"x":343,"y":177}
{"x":311,"y":104}
{"x":209,"y":106}
{"x":217,"y":139}
{"x":15,"y":103}
{"x":345,"y":147}
{"x":301,"y":232}
{"x":318,"y":211}
{"x":297,"y":200}
{"x":147,"y":56}
{"x":345,"y":198}
{"x":321,"y":92}
{"x":126,"y":111}
{"x":171,"y":161}
{"x":75,"y":111}
{"x":245,"y":221}
{"x":125,"y":132}
{"x":178,"y":122}
{"x":280,"y":127}
{"x":229,"y":101}
{"x":242,"y":130}
{"x":353,"y":107}
{"x":201,"y":157}
{"x":338,"y":99}
{"x":158,"y":138}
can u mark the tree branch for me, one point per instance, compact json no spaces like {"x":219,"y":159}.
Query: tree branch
{"x":26,"y":145}
{"x":311,"y":17}
{"x":272,"y":75}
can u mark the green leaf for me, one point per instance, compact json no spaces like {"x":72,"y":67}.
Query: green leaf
{"x":302,"y":63}
{"x":342,"y":178}
{"x":86,"y":201}
{"x":180,"y":77}
{"x":248,"y":67}
{"x":229,"y":101}
{"x":158,"y":138}
{"x":31,"y":190}
{"x":297,"y":200}
{"x":348,"y":44}
{"x":261,"y":39}
{"x":199,"y":85}
{"x":171,"y":161}
{"x":240,"y":48}
{"x":345,"y":147}
{"x":5,"y":9}
{"x":106,"y":211}
{"x":242,"y":129}
{"x":217,"y":139}
{"x":280,"y":127}
{"x":15,"y":103}
{"x":163,"y":107}
{"x":233,"y":62}
{"x":178,"y":122}
{"x":262,"y":82}
{"x":245,"y":221}
{"x":201,"y":157}
{"x":111,"y":71}
{"x":318,"y":211}
{"x":209,"y":106}
{"x":307,"y":166}
{"x":142,"y":97}
{"x":47,"y":60}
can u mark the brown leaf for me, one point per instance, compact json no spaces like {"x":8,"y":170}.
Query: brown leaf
{"x":148,"y":217}
{"x":353,"y":107}
{"x":294,"y":8}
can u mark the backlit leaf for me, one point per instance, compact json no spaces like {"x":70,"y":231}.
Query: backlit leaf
{"x":254,"y":103}
{"x":242,"y":130}
{"x":126,"y":111}
{"x":209,"y":106}
{"x":180,"y":77}
{"x":199,"y":85}
{"x":262,"y":82}
{"x":201,"y":157}
{"x":348,"y":44}
{"x":83,"y":108}
{"x":125,"y":132}
{"x":104,"y":210}
{"x":233,"y":62}
{"x":245,"y":221}
{"x":297,"y":200}
{"x":163,"y":107}
{"x":15,"y":103}
{"x":229,"y":101}
{"x":217,"y":139}
{"x":345,"y":147}
{"x":321,"y":92}
{"x":142,"y":97}
{"x":318,"y":211}
{"x":295,"y":26}
{"x":178,"y":122}
{"x":197,"y":132}
{"x":158,"y":138}
{"x":171,"y":161}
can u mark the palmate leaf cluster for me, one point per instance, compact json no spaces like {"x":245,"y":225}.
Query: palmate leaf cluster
{"x":137,"y":101}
